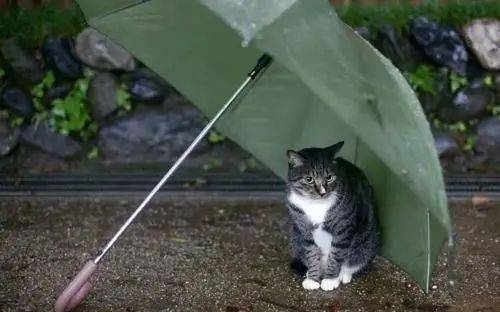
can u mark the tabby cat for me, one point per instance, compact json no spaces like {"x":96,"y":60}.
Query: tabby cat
{"x":334,"y":232}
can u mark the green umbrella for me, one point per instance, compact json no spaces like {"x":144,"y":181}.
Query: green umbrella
{"x":326,"y":84}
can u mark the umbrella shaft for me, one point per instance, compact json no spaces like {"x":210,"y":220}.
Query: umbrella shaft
{"x":173,"y":168}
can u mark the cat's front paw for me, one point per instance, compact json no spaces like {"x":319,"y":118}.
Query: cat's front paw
{"x":330,"y":283}
{"x":310,"y":284}
{"x":346,"y":278}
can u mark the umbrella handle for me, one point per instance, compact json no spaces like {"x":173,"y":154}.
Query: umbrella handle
{"x":76,"y":290}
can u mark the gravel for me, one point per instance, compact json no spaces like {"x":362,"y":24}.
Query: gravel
{"x":191,"y":254}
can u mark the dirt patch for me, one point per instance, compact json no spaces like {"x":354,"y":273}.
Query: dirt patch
{"x":191,"y":255}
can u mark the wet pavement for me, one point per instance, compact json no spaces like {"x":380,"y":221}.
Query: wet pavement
{"x":193,"y":254}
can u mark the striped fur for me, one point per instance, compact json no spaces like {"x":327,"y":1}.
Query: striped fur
{"x":334,"y":232}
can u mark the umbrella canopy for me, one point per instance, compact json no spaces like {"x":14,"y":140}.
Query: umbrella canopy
{"x":326,"y":84}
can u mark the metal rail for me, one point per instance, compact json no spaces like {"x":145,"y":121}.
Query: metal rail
{"x":128,"y":185}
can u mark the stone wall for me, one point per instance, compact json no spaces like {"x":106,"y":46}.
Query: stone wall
{"x":455,"y":73}
{"x":84,"y":102}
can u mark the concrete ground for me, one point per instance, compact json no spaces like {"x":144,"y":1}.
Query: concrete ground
{"x":192,"y":255}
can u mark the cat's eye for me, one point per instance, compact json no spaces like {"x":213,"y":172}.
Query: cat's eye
{"x":330,"y":178}
{"x":309,"y":180}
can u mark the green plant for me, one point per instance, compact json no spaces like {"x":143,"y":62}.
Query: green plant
{"x":32,"y":26}
{"x":215,"y":137}
{"x":39,"y":90}
{"x":494,"y":109}
{"x":94,"y":153}
{"x":16,"y":121}
{"x":71,"y":115}
{"x":2,"y":72}
{"x":488,"y":81}
{"x":457,"y":127}
{"x":4,"y":114}
{"x":470,"y":142}
{"x":436,"y":122}
{"x":123,"y":98}
{"x":213,"y":163}
{"x":457,"y":82}
{"x":423,"y":79}
{"x":398,"y":14}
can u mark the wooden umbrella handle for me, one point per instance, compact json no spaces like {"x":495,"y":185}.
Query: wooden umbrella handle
{"x":76,"y":290}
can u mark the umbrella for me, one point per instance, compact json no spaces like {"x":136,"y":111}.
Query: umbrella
{"x":326,"y":84}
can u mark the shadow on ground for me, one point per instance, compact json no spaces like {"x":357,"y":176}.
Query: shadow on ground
{"x":192,"y":255}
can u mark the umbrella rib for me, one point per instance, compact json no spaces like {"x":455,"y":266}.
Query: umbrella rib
{"x":125,"y":7}
{"x":428,"y":269}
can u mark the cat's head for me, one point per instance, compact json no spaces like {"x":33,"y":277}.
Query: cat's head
{"x":312,"y":172}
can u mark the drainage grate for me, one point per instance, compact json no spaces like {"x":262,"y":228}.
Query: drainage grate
{"x":209,"y":185}
{"x":470,"y":186}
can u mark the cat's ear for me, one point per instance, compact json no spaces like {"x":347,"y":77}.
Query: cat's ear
{"x":335,"y":148}
{"x":294,"y":158}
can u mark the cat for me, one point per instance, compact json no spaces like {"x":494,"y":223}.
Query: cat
{"x":334,"y":232}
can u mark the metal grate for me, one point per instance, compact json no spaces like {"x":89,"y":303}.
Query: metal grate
{"x":212,"y":185}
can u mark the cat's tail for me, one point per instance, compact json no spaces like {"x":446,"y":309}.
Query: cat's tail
{"x":298,"y":267}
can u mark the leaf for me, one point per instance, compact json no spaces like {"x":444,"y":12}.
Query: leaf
{"x":37,"y":91}
{"x":82,"y":85}
{"x":2,"y":72}
{"x":495,"y":110}
{"x":215,"y":137}
{"x":470,"y":142}
{"x":94,"y":153}
{"x":48,"y":80}
{"x":37,"y":103}
{"x":457,"y":127}
{"x":423,"y":79}
{"x":457,"y":82}
{"x":488,"y":81}
{"x":123,"y":98}
{"x":58,"y":108}
{"x":71,"y":114}
{"x":16,"y":121}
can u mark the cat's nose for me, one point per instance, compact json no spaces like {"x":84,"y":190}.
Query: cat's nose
{"x":321,"y":190}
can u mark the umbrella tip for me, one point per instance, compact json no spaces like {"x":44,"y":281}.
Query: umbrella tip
{"x":262,"y":63}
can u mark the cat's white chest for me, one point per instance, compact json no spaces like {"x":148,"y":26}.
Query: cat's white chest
{"x":314,"y":209}
{"x":323,"y":240}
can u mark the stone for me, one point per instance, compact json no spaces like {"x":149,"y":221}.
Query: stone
{"x":58,"y":53}
{"x":8,"y":137}
{"x":22,"y":63}
{"x":99,"y":52}
{"x":396,"y":47}
{"x":483,"y":37}
{"x":42,"y":136}
{"x":446,"y":145}
{"x":102,"y":94}
{"x":34,"y":161}
{"x":150,"y":136}
{"x":364,"y":32}
{"x":17,"y":100}
{"x":488,"y":139}
{"x":57,"y":92}
{"x":468,"y":103}
{"x":441,"y":43}
{"x":147,"y":87}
